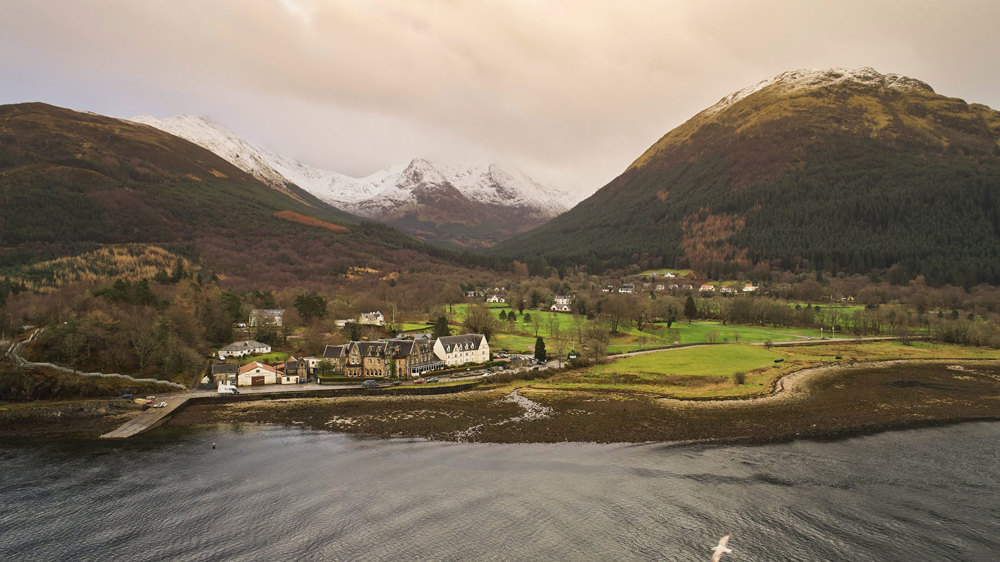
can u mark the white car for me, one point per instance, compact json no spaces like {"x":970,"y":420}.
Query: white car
{"x":227,"y":388}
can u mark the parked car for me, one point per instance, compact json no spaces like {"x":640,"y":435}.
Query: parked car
{"x":397,"y":383}
{"x":435,"y":379}
{"x":419,"y":381}
{"x":161,"y":404}
{"x":369,"y":384}
{"x":227,"y":388}
{"x":127,"y":396}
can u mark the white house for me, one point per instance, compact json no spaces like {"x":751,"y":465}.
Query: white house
{"x":627,"y":289}
{"x":561,"y":308}
{"x":496,"y":298}
{"x":256,"y":374}
{"x":563,"y":299}
{"x":267,"y":316}
{"x":243,"y":348}
{"x":311,"y":363}
{"x":371,"y":319}
{"x":729,"y":290}
{"x":749,"y":288}
{"x":458,"y":350}
{"x":707,"y":288}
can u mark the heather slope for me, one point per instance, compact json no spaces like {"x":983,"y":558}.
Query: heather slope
{"x":839,"y":170}
{"x":71,"y":182}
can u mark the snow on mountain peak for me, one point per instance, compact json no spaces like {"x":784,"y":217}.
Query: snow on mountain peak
{"x":377,"y":194}
{"x":812,"y":78}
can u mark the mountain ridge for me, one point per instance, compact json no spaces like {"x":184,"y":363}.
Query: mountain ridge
{"x":486,"y":202}
{"x":72,"y":182}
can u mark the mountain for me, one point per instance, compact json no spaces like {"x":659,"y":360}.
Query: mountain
{"x":474,"y":204}
{"x":837,"y":170}
{"x":73,"y":182}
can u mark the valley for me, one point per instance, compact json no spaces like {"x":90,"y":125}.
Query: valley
{"x":729,"y":258}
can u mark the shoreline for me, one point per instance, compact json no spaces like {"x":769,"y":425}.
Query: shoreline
{"x":820,"y":402}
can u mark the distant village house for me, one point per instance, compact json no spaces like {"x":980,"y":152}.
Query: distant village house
{"x":266,"y":317}
{"x":243,"y":348}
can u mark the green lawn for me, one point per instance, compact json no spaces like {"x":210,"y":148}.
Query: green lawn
{"x":415,"y":327}
{"x":520,"y":336}
{"x":707,"y":371}
{"x":684,"y":372}
{"x":273,"y":357}
{"x":717,"y":360}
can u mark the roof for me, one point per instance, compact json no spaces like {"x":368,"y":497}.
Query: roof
{"x":370,"y":348}
{"x":402,"y":348}
{"x":244,"y":345}
{"x":273,"y":312}
{"x":334,"y":351}
{"x":225,"y":368}
{"x":257,"y":365}
{"x":465,"y":341}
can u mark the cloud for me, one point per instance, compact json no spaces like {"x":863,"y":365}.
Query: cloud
{"x":569,"y":91}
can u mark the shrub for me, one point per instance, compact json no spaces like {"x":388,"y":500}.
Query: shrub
{"x":739,"y":377}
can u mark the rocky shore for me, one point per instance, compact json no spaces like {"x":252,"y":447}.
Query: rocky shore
{"x":820,"y":402}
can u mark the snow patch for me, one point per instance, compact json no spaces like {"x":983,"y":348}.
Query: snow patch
{"x":380,"y":193}
{"x":810,"y":79}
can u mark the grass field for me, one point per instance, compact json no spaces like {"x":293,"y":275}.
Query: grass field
{"x":415,"y":326}
{"x":270,"y":358}
{"x":520,"y":336}
{"x":683,"y":372}
{"x":707,"y":371}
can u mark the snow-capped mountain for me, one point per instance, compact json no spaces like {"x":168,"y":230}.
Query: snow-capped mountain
{"x":806,"y":79}
{"x":471,"y":204}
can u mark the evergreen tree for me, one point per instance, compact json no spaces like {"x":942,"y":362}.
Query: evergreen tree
{"x":690,"y":310}
{"x":310,"y":305}
{"x":441,"y":328}
{"x":540,"y":348}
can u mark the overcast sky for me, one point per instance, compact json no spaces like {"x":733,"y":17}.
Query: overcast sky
{"x":570,"y":92}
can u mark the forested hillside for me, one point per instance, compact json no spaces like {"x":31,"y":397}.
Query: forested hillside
{"x":838,"y":170}
{"x":72,"y":182}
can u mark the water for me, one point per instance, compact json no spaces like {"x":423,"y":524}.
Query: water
{"x":271,"y":493}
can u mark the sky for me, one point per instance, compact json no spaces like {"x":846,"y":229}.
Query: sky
{"x":570,"y":92}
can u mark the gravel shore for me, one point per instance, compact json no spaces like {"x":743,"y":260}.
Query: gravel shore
{"x":826,"y":401}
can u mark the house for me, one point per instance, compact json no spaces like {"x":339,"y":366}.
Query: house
{"x":707,"y":288}
{"x":224,"y":372}
{"x":673,"y":287}
{"x":458,"y":350}
{"x":496,"y":298}
{"x":311,"y":364}
{"x":267,"y":317}
{"x":668,"y":275}
{"x":607,"y":288}
{"x":289,"y":373}
{"x":256,"y":374}
{"x":399,"y":357}
{"x":729,"y":290}
{"x":627,"y":289}
{"x":243,"y":348}
{"x":749,"y":288}
{"x":659,"y":287}
{"x":371,"y":319}
{"x":687,"y":287}
{"x":563,"y":303}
